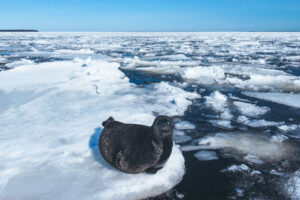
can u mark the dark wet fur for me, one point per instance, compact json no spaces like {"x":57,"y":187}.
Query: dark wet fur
{"x":134,"y":148}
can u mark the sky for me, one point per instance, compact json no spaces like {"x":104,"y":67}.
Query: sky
{"x":151,"y":15}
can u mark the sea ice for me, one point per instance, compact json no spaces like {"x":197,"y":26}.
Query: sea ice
{"x":205,"y":75}
{"x":237,"y":168}
{"x":250,"y":110}
{"x":281,"y":98}
{"x":287,"y":128}
{"x":183,"y":125}
{"x":257,"y":146}
{"x":257,"y":123}
{"x":251,"y":158}
{"x":19,"y":63}
{"x":221,"y":123}
{"x":293,"y":186}
{"x":217,"y":101}
{"x":206,"y":155}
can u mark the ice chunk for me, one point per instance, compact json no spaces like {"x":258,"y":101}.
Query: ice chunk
{"x":281,"y":98}
{"x":204,"y":75}
{"x":206,"y":155}
{"x":257,"y":123}
{"x":255,"y":145}
{"x":2,"y":59}
{"x":250,"y":110}
{"x":278,"y":138}
{"x":237,"y":168}
{"x":181,"y":137}
{"x":217,"y":101}
{"x":226,"y":115}
{"x":293,"y":186}
{"x":221,"y":123}
{"x":251,"y":158}
{"x":277,"y":173}
{"x":287,"y":128}
{"x":183,"y":125}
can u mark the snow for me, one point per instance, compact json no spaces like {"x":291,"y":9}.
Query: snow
{"x":50,"y":118}
{"x":281,"y":98}
{"x":206,"y":155}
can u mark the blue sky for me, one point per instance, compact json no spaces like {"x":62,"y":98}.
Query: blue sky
{"x":151,"y":15}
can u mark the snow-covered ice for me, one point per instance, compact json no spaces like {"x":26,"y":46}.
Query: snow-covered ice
{"x":50,"y":116}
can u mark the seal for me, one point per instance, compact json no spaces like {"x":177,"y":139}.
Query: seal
{"x":134,"y":148}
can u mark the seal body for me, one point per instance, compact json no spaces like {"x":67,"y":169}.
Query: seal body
{"x":134,"y":148}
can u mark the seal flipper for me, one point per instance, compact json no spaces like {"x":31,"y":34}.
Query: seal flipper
{"x":108,"y":120}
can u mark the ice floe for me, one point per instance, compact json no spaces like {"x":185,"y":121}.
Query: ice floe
{"x":219,"y":103}
{"x":257,"y":123}
{"x":287,"y":128}
{"x":49,"y":138}
{"x":281,"y":98}
{"x":250,"y":110}
{"x":206,"y":155}
{"x":251,"y":158}
{"x":257,"y":146}
{"x":182,"y":125}
{"x":237,"y":168}
{"x":293,"y":186}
